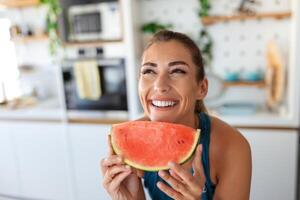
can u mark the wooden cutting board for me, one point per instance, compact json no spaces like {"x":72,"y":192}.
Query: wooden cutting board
{"x":275,"y":76}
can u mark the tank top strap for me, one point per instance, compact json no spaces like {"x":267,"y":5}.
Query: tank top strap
{"x":205,"y":126}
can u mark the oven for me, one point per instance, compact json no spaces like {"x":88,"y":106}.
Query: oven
{"x":107,"y":92}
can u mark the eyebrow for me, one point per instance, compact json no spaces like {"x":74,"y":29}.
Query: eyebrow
{"x":177,"y":63}
{"x":174,"y":63}
{"x":150,"y":64}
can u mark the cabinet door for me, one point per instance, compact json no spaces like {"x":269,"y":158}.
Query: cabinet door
{"x":274,"y":157}
{"x":42,"y":159}
{"x":9,"y":184}
{"x":89,"y":146}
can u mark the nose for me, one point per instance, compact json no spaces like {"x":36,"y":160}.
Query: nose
{"x":161,"y":84}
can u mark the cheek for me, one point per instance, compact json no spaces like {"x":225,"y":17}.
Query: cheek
{"x":186,"y":88}
{"x":143,"y":88}
{"x":188,"y":93}
{"x":144,"y":84}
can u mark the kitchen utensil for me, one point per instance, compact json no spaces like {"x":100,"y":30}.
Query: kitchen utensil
{"x":275,"y":76}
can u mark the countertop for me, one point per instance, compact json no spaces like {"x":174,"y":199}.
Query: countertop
{"x":48,"y":110}
{"x":51,"y":111}
{"x":261,"y":120}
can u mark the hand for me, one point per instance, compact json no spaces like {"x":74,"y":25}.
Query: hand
{"x":118,"y":179}
{"x":184,"y":185}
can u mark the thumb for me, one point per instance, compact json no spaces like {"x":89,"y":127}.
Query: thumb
{"x":110,"y":148}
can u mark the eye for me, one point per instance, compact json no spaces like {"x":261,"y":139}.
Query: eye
{"x":178,"y":71}
{"x":148,"y":71}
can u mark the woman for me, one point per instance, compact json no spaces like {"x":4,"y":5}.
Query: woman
{"x":172,"y":86}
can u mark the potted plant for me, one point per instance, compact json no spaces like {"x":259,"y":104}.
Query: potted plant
{"x":54,"y":10}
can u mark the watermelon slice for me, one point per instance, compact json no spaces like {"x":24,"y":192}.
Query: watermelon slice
{"x":149,"y":146}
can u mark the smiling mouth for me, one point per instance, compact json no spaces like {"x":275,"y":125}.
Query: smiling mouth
{"x":163,"y":104}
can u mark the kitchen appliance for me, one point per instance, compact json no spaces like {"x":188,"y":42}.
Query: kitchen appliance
{"x":112,"y":84}
{"x":99,"y":21}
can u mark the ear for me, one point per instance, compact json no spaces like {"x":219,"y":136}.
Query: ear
{"x":202,"y":89}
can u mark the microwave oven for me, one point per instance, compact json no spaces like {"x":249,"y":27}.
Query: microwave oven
{"x":112,"y":85}
{"x":99,"y":21}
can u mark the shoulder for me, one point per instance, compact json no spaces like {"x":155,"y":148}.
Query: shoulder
{"x":228,"y":145}
{"x":228,"y":141}
{"x":226,"y":136}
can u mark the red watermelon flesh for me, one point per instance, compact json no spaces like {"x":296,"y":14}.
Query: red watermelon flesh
{"x":151,"y":145}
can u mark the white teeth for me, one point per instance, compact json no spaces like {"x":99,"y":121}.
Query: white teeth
{"x":163,"y":103}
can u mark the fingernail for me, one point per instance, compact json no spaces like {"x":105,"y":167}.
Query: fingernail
{"x":119,"y":159}
{"x":158,"y":184}
{"x":161,"y":173}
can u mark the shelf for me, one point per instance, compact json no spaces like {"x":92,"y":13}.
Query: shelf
{"x":27,"y":39}
{"x":18,"y":3}
{"x":91,"y":43}
{"x":258,"y":84}
{"x":218,"y":19}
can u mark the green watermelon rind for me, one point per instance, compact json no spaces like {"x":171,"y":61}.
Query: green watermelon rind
{"x":154,"y":169}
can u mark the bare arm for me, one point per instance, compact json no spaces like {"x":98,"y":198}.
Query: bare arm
{"x":234,"y":171}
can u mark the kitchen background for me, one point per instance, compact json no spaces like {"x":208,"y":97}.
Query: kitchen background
{"x":61,"y":92}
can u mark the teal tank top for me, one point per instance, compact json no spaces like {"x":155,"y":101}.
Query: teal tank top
{"x":151,"y":178}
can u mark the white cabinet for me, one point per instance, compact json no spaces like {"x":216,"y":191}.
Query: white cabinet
{"x":62,"y":162}
{"x":274,"y":157}
{"x":88,"y":147}
{"x":9,"y":183}
{"x":41,"y":161}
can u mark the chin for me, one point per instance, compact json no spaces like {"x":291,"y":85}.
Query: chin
{"x":162,"y":119}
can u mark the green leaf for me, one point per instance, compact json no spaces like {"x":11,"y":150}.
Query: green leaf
{"x":153,"y":27}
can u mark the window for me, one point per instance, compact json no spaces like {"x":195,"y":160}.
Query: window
{"x":9,"y":73}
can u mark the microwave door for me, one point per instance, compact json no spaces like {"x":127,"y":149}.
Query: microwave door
{"x":86,"y":26}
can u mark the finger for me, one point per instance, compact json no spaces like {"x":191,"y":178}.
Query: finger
{"x":115,"y":183}
{"x":112,"y":160}
{"x":138,"y":172}
{"x":111,"y":174}
{"x":102,"y":167}
{"x":184,"y":174}
{"x":172,"y":173}
{"x":110,"y":148}
{"x":176,"y":184}
{"x":169,"y":191}
{"x":197,"y":164}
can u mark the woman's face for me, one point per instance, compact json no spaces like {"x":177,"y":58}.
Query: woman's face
{"x":168,"y":89}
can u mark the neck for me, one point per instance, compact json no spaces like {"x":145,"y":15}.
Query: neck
{"x":197,"y":122}
{"x":192,"y":122}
